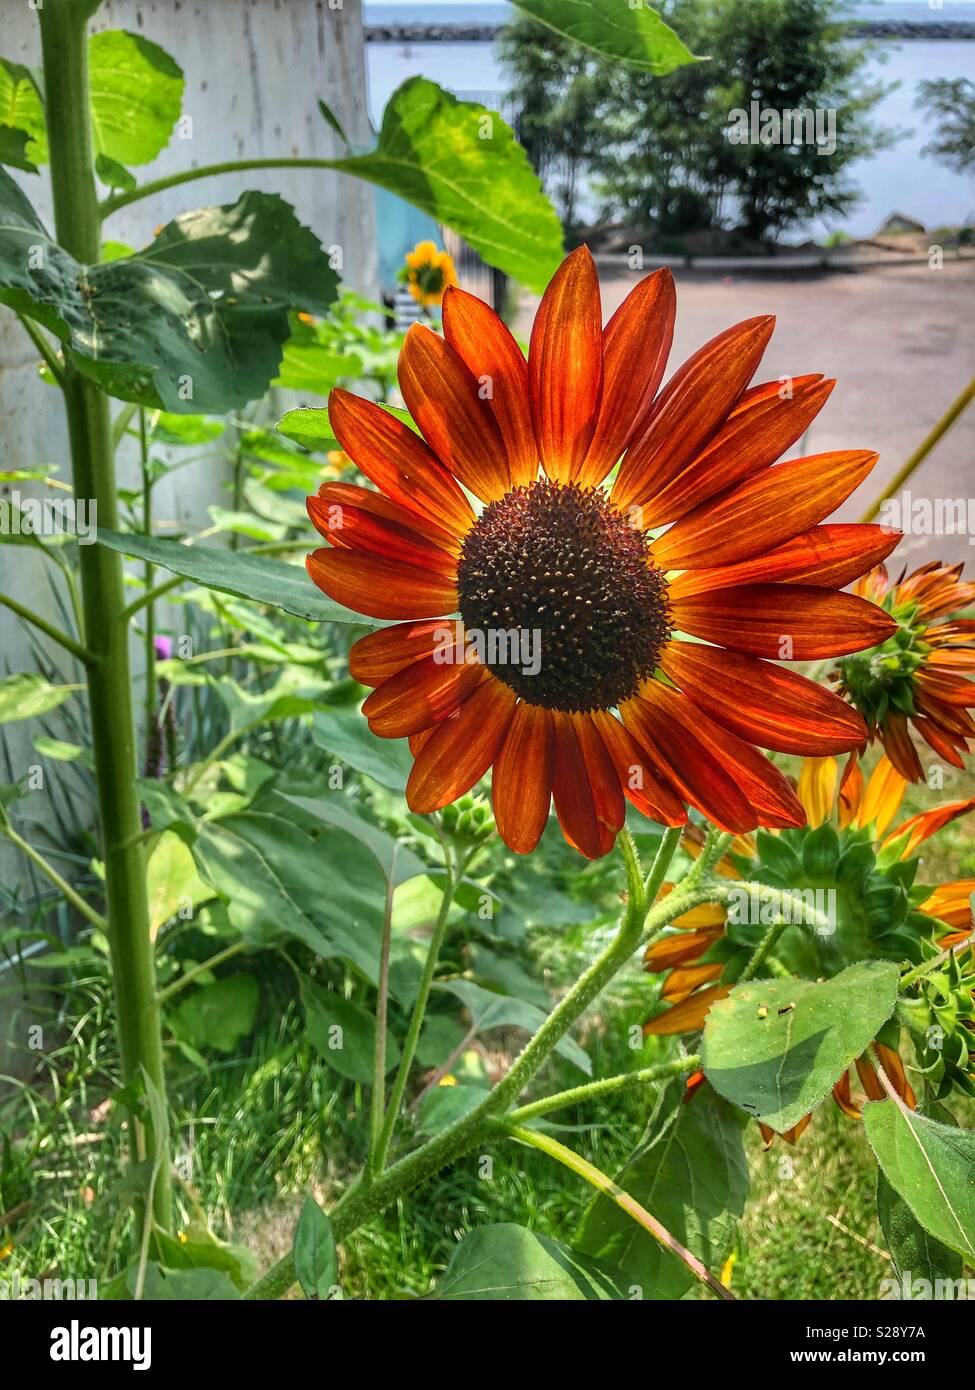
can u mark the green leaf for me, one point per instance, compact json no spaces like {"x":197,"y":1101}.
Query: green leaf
{"x":309,"y":427}
{"x":915,"y":1254}
{"x":236,"y":572}
{"x":314,"y":1253}
{"x":692,"y":1175}
{"x":442,"y":1106}
{"x":461,"y":164}
{"x":509,"y":1263}
{"x":776,"y":1047}
{"x":21,"y":111}
{"x":931,"y":1166}
{"x":270,"y":873}
{"x":343,"y":1033}
{"x":396,"y":861}
{"x":136,"y":93}
{"x":115,"y":175}
{"x":633,"y":34}
{"x":329,"y":115}
{"x":313,"y":367}
{"x":13,"y":149}
{"x":172,"y":882}
{"x":201,"y":1250}
{"x":27,"y":695}
{"x":346,"y":733}
{"x":195,"y":323}
{"x":490,"y":1010}
{"x":217,"y":1015}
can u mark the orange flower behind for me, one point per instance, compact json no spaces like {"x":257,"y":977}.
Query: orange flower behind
{"x":542,"y":612}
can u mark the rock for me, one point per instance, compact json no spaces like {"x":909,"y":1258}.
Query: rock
{"x":897,"y":223}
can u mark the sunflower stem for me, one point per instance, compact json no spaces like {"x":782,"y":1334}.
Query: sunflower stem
{"x":592,"y":1090}
{"x":64,"y":50}
{"x":638,"y":1213}
{"x":763,"y":950}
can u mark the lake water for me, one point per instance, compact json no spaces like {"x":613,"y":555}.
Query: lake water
{"x":900,"y":179}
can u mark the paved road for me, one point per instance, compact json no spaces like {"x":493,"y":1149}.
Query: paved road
{"x":901,"y":343}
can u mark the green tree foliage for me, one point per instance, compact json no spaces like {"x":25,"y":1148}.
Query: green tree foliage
{"x":952,"y":102}
{"x":656,"y":151}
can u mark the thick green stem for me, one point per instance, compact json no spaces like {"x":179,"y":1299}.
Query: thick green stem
{"x":148,"y":573}
{"x":592,"y":1090}
{"x":78,"y":225}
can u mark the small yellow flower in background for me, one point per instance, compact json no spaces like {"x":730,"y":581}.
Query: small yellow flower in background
{"x":338,"y":461}
{"x":6,"y":1249}
{"x":428,"y":272}
{"x":447,"y":1081}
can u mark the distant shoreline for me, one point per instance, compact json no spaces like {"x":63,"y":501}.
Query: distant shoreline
{"x":933,"y":30}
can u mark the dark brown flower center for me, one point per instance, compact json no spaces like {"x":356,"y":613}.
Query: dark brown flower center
{"x":559,"y":591}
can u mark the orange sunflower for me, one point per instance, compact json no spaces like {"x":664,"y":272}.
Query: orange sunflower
{"x":540,"y":612}
{"x":921,"y":677}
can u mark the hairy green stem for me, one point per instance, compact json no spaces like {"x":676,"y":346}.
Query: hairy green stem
{"x":592,"y":1090}
{"x":763,"y":950}
{"x":634,"y":1209}
{"x":148,"y":572}
{"x":78,"y":226}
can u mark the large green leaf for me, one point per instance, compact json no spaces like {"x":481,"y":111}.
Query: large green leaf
{"x":328,"y":892}
{"x":932,"y":1166}
{"x":136,"y":92}
{"x":506,"y":1262}
{"x":915,"y":1254}
{"x":195,"y":323}
{"x":461,"y":164}
{"x":776,"y":1047}
{"x":346,"y":733}
{"x":632,"y":33}
{"x":26,"y":695}
{"x":235,"y":572}
{"x":396,"y":861}
{"x":343,"y":1033}
{"x":692,"y":1175}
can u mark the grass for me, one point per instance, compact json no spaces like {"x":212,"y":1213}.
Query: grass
{"x":258,"y":1130}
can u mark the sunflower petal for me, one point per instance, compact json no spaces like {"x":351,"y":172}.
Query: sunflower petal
{"x":643,"y":785}
{"x":735,"y":525}
{"x":687,"y":1016}
{"x":421,"y":695}
{"x":396,"y":459}
{"x":763,"y":703}
{"x":521,"y":783}
{"x":444,"y":399}
{"x":695,"y":402}
{"x":791,"y":622}
{"x":379,"y":655}
{"x":758,"y":431}
{"x":381,"y":588}
{"x":461,"y":749}
{"x":485,"y":345}
{"x":355,"y":522}
{"x":826,"y":557}
{"x":565,"y":366}
{"x":636,"y":345}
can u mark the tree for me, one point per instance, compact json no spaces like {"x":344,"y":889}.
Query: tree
{"x":952,"y":102}
{"x":657,"y":150}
